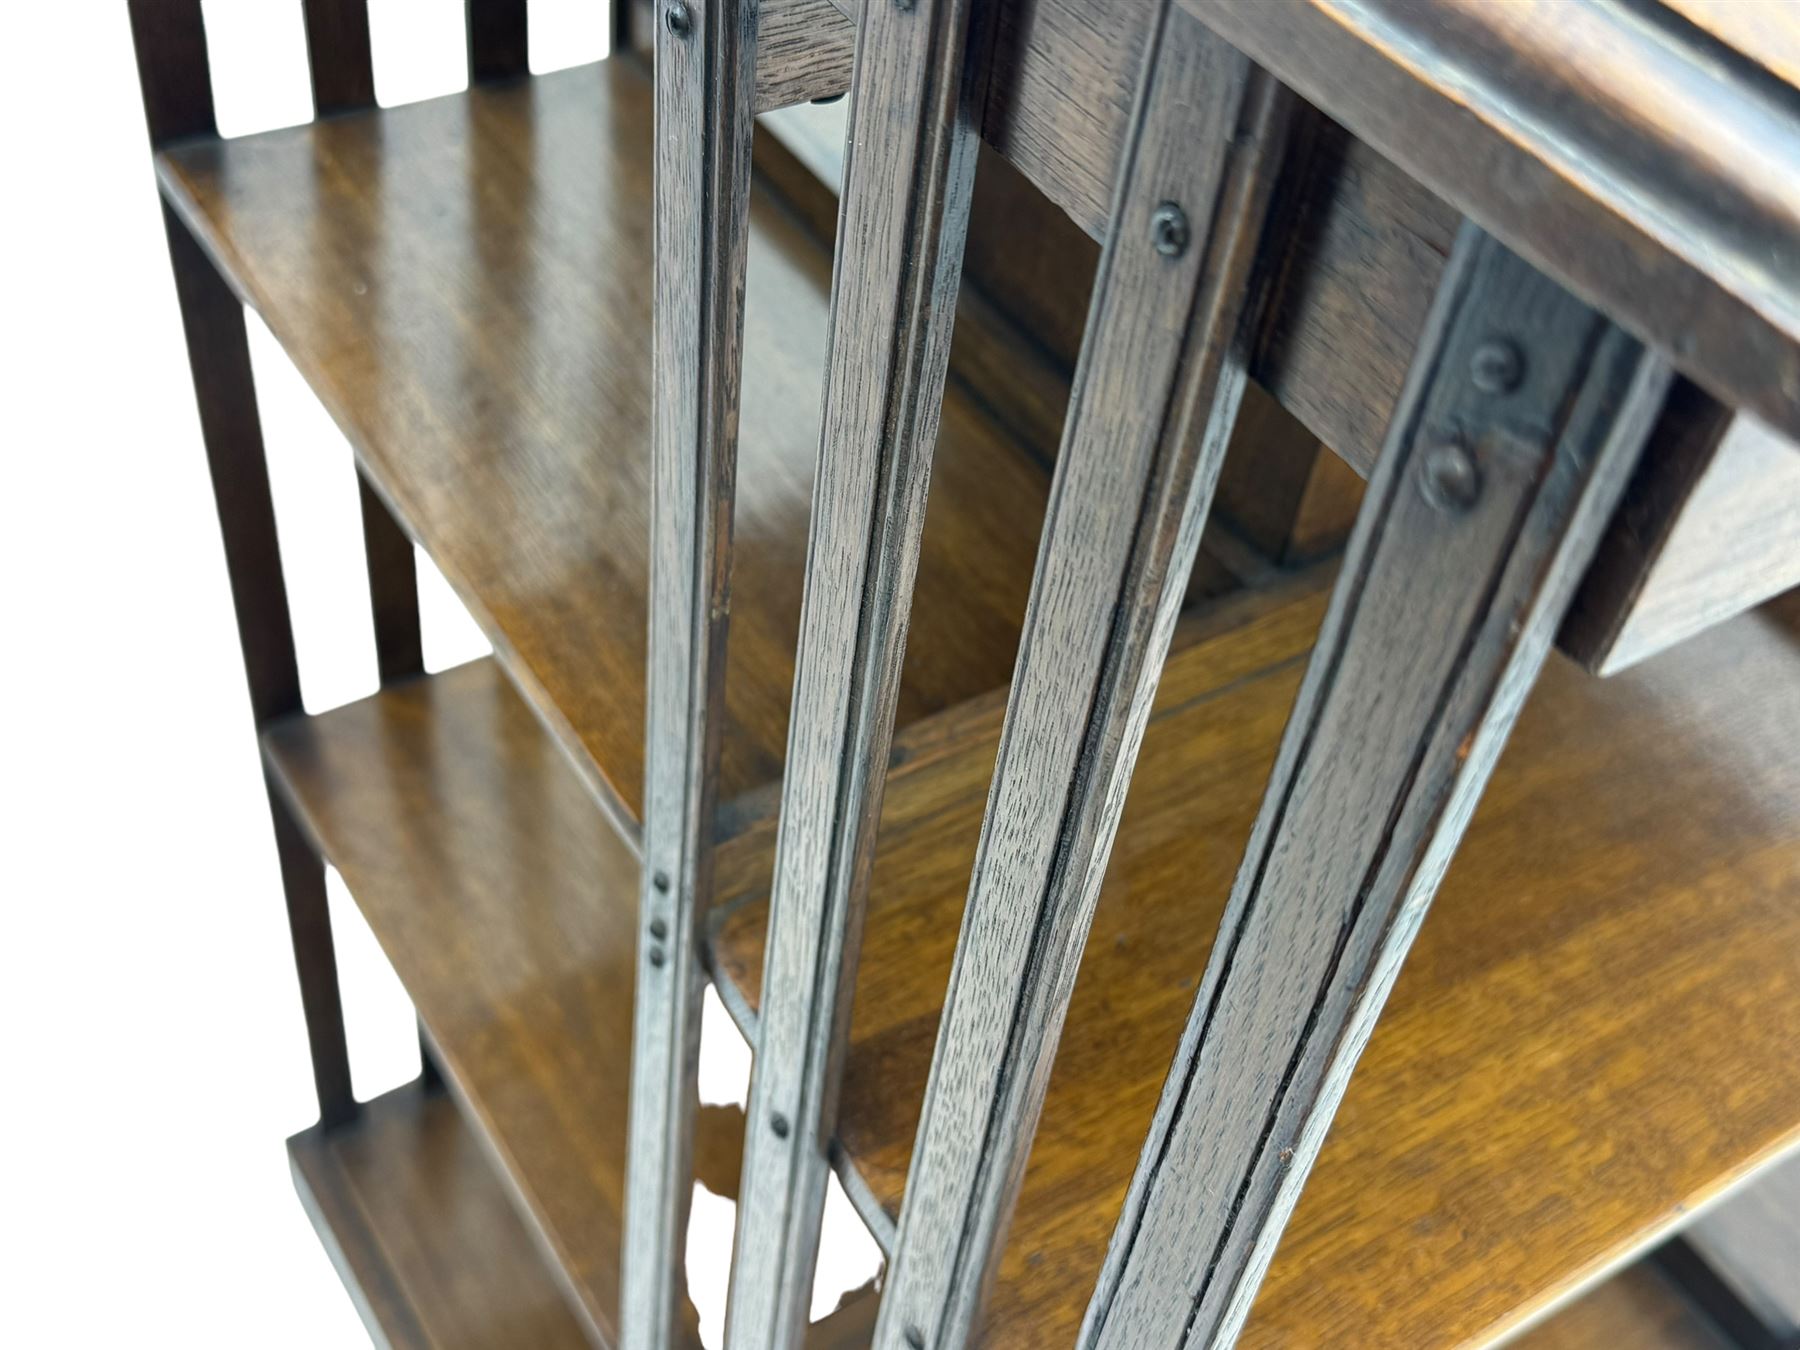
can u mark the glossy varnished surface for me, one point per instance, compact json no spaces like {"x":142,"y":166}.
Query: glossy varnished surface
{"x":1595,"y":1029}
{"x":507,"y":904}
{"x":423,"y":1233}
{"x":466,"y":284}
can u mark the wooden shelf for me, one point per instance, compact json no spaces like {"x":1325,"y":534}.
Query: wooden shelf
{"x":466,"y":285}
{"x":507,"y":905}
{"x":1593,"y":1033}
{"x":422,"y":1232}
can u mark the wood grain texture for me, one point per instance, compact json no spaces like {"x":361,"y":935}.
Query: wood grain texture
{"x":423,"y":1233}
{"x":804,"y":51}
{"x":507,"y":906}
{"x":1153,"y":404}
{"x":705,"y":86}
{"x":1453,"y":586}
{"x":475,"y":319}
{"x":1549,"y":123}
{"x":1710,"y":526}
{"x":498,"y":39}
{"x":909,"y":172}
{"x":338,"y":57}
{"x":1627,"y":900}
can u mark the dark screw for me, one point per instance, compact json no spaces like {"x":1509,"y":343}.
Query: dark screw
{"x":661,"y":881}
{"x":1450,"y":478}
{"x":658,"y":929}
{"x":1169,"y":230}
{"x":679,"y":19}
{"x":915,"y":1338}
{"x":1497,"y":366}
{"x":778,"y":1123}
{"x":656,"y":957}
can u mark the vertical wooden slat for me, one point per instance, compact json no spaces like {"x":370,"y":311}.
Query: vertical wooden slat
{"x":1155,"y":396}
{"x":337,"y":55}
{"x":908,"y":180}
{"x":170,"y":41}
{"x":1522,"y":417}
{"x":169,"y":37}
{"x":393,"y":589}
{"x":497,"y":35}
{"x":343,"y":80}
{"x":705,"y":87}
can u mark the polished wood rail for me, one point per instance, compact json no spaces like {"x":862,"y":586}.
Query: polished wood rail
{"x":1626,"y":901}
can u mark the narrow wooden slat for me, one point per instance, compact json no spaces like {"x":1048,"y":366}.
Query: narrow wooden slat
{"x":497,"y":39}
{"x":169,"y":37}
{"x":909,"y":175}
{"x":705,"y":88}
{"x":338,"y":55}
{"x":393,"y":588}
{"x":1484,"y":509}
{"x":343,"y":80}
{"x":1154,"y":401}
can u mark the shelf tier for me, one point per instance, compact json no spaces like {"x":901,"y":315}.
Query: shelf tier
{"x":466,"y":285}
{"x":422,"y":1232}
{"x":507,"y":905}
{"x":1635,"y":1310}
{"x":1594,"y":1032}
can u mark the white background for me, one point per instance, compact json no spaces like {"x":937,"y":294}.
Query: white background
{"x":154,"y":1056}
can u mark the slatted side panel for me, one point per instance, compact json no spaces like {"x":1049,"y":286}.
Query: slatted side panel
{"x":170,"y":41}
{"x":908,"y":182}
{"x":705,"y":90}
{"x":1523,"y":415}
{"x":1155,"y":397}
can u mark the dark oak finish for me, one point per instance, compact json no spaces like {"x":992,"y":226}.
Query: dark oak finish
{"x":499,"y":39}
{"x":479,"y":330}
{"x":507,"y":906}
{"x":423,"y":1233}
{"x":1627,"y":898}
{"x":338,"y":55}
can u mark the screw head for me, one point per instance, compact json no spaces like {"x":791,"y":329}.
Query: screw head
{"x":778,"y":1123}
{"x":1497,"y":366}
{"x":915,"y":1338}
{"x":1169,"y":231}
{"x":679,"y":19}
{"x":657,"y":957}
{"x":658,"y":929}
{"x":1449,"y":477}
{"x":661,"y":882}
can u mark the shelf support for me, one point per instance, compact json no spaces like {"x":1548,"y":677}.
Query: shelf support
{"x":909,"y":179}
{"x":170,"y":41}
{"x":705,"y":92}
{"x":1155,"y":397}
{"x":1522,"y":418}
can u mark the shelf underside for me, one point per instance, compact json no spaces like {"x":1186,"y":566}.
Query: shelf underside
{"x":466,"y":285}
{"x":423,"y":1233}
{"x":1595,"y":1031}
